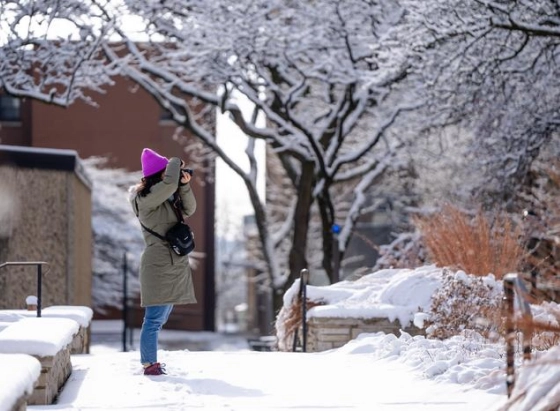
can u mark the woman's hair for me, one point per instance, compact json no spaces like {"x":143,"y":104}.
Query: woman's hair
{"x":146,"y":184}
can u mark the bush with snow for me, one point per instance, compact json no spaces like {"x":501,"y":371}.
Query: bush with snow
{"x":465,"y":302}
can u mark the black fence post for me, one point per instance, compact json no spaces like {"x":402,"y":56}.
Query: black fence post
{"x":510,"y":334}
{"x":302,"y":295}
{"x":39,"y":289}
{"x":304,"y":279}
{"x":125,"y":302}
{"x":514,"y":287}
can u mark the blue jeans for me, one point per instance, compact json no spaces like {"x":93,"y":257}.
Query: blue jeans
{"x":154,"y":318}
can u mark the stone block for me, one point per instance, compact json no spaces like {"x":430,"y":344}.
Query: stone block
{"x":321,"y":321}
{"x":324,"y":346}
{"x":326,"y":333}
{"x":55,"y":370}
{"x":335,"y":337}
{"x":338,"y":344}
{"x":333,"y":331}
{"x":21,"y":404}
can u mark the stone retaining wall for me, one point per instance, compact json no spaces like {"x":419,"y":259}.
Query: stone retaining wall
{"x":55,"y":370}
{"x":80,"y":342}
{"x":21,"y":404}
{"x":326,"y":333}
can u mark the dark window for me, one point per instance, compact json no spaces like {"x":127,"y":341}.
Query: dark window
{"x":10,"y":108}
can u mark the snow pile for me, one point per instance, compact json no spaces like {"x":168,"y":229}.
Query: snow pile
{"x":21,"y":373}
{"x":464,"y":359}
{"x":537,"y":386}
{"x":396,"y":294}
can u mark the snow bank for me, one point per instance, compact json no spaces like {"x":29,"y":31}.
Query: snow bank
{"x":465,"y":359}
{"x":395,"y":294}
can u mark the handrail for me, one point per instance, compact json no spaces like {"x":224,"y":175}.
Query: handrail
{"x":302,"y":295}
{"x":39,"y":265}
{"x":514,"y":286}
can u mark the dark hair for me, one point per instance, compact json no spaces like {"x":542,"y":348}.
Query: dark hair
{"x":147,"y":183}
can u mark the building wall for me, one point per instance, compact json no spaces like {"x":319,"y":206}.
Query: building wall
{"x":38,"y":218}
{"x":125,"y":121}
{"x":80,"y":242}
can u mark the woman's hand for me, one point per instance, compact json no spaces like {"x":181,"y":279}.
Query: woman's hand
{"x":185,"y":177}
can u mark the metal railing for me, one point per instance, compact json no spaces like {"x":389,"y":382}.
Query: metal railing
{"x":302,"y":295}
{"x":39,"y":265}
{"x":514,"y":287}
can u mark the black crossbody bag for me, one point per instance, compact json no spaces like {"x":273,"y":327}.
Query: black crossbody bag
{"x":180,"y":237}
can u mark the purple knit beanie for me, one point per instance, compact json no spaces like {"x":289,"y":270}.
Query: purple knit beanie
{"x":152,"y":162}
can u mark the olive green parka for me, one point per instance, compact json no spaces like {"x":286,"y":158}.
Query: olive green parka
{"x":165,"y":277}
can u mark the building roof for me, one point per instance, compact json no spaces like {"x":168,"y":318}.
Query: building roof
{"x":44,"y":158}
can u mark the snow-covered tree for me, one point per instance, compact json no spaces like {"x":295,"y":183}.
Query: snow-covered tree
{"x":314,"y":71}
{"x":492,"y":69}
{"x":116,"y":233}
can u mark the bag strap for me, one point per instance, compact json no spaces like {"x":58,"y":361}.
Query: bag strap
{"x":177,"y":205}
{"x":176,"y":200}
{"x":143,"y":226}
{"x":152,"y":232}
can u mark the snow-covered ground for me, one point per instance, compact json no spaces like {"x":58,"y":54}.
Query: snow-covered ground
{"x":373,"y":372}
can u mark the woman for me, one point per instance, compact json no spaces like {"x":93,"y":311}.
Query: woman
{"x":165,"y":277}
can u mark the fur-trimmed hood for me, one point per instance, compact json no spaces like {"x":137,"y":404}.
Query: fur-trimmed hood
{"x":133,"y":192}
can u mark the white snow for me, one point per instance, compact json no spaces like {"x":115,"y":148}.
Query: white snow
{"x":9,"y":316}
{"x":81,"y":314}
{"x":38,"y":336}
{"x":392,"y":294}
{"x":20,"y":373}
{"x":246,"y":380}
{"x":538,"y":384}
{"x":31,"y":300}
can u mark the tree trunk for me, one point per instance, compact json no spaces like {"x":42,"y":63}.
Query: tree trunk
{"x":298,"y":260}
{"x":331,"y":256}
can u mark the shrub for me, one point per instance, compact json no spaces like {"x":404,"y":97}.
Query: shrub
{"x":465,"y":302}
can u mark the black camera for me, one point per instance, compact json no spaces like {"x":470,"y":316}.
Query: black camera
{"x":188,"y":170}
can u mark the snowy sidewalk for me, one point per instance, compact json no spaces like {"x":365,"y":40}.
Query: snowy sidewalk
{"x":246,"y":380}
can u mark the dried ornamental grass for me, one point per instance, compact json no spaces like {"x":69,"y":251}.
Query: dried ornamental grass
{"x":474,"y":245}
{"x":290,"y":320}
